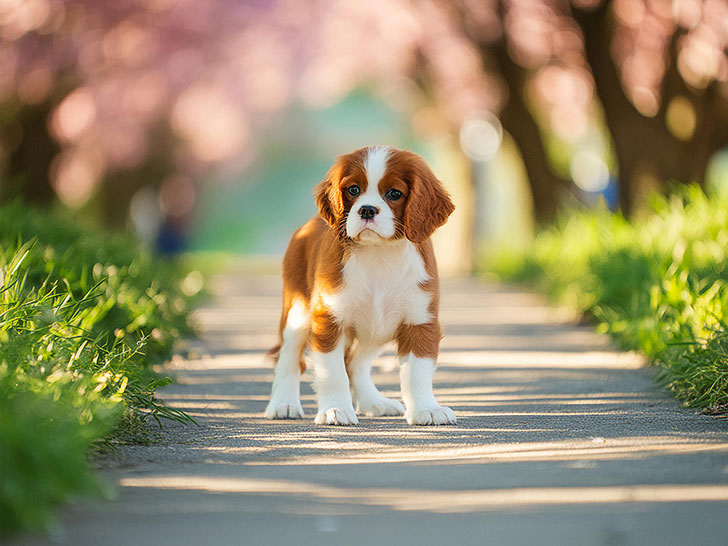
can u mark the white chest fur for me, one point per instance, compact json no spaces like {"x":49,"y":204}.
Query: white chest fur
{"x":381,"y":289}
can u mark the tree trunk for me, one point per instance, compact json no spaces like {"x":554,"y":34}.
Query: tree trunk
{"x":547,"y":188}
{"x":645,"y":144}
{"x":27,"y":169}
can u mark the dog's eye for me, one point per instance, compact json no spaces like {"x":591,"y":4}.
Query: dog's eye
{"x":393,"y":195}
{"x":353,"y":190}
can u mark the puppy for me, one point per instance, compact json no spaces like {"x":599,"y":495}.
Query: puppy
{"x":361,"y":274}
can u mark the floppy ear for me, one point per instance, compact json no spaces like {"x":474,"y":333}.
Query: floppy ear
{"x":428,"y":204}
{"x":327,"y":195}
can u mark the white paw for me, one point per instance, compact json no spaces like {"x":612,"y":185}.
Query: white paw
{"x":379,"y":405}
{"x":290,"y":410}
{"x":336,"y":416}
{"x":436,"y":415}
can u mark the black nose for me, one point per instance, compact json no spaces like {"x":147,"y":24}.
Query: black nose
{"x":367,"y":212}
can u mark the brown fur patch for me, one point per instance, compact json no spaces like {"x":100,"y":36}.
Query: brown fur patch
{"x":423,"y":339}
{"x":428,"y":205}
{"x":325,"y":331}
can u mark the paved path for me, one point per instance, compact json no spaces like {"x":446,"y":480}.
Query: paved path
{"x":560,"y":441}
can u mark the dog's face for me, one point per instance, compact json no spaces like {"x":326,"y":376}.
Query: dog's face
{"x":380,"y":194}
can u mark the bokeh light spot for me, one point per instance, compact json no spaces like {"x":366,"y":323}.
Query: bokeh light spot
{"x":75,"y":176}
{"x":680,"y":118}
{"x":645,"y":101}
{"x":74,"y":116}
{"x":20,"y":16}
{"x":589,"y":171}
{"x":212,"y":126}
{"x":481,"y":137}
{"x":630,"y":12}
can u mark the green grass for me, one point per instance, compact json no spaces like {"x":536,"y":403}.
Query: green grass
{"x":84,"y":316}
{"x":658,"y":284}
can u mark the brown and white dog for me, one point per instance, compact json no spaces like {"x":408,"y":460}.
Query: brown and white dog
{"x":360,"y":275}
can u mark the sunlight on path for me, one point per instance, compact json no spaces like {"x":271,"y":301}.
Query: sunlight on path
{"x":560,"y":440}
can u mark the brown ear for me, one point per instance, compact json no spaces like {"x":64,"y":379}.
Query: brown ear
{"x":327,"y":195}
{"x":428,"y":204}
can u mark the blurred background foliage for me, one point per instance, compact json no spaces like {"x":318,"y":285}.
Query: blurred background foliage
{"x":658,"y":284}
{"x":199,"y":119}
{"x":203,"y":126}
{"x":84,"y":317}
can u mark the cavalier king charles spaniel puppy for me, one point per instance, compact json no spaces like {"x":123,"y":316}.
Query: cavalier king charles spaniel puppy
{"x":358,"y":276}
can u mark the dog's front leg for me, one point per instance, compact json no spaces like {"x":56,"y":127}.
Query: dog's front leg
{"x":330,"y":380}
{"x":332,"y":387}
{"x":418,"y":347}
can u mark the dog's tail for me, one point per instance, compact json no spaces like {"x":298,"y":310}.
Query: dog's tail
{"x":273,"y":353}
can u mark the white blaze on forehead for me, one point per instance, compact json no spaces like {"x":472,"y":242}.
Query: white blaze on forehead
{"x":375,"y":164}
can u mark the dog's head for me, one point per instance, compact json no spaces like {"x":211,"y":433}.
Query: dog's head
{"x":379,"y":194}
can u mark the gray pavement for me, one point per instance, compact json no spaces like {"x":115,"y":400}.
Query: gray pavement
{"x":561,"y":440}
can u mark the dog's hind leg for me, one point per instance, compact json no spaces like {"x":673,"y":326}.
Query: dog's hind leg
{"x":285,"y":398}
{"x":367,"y":398}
